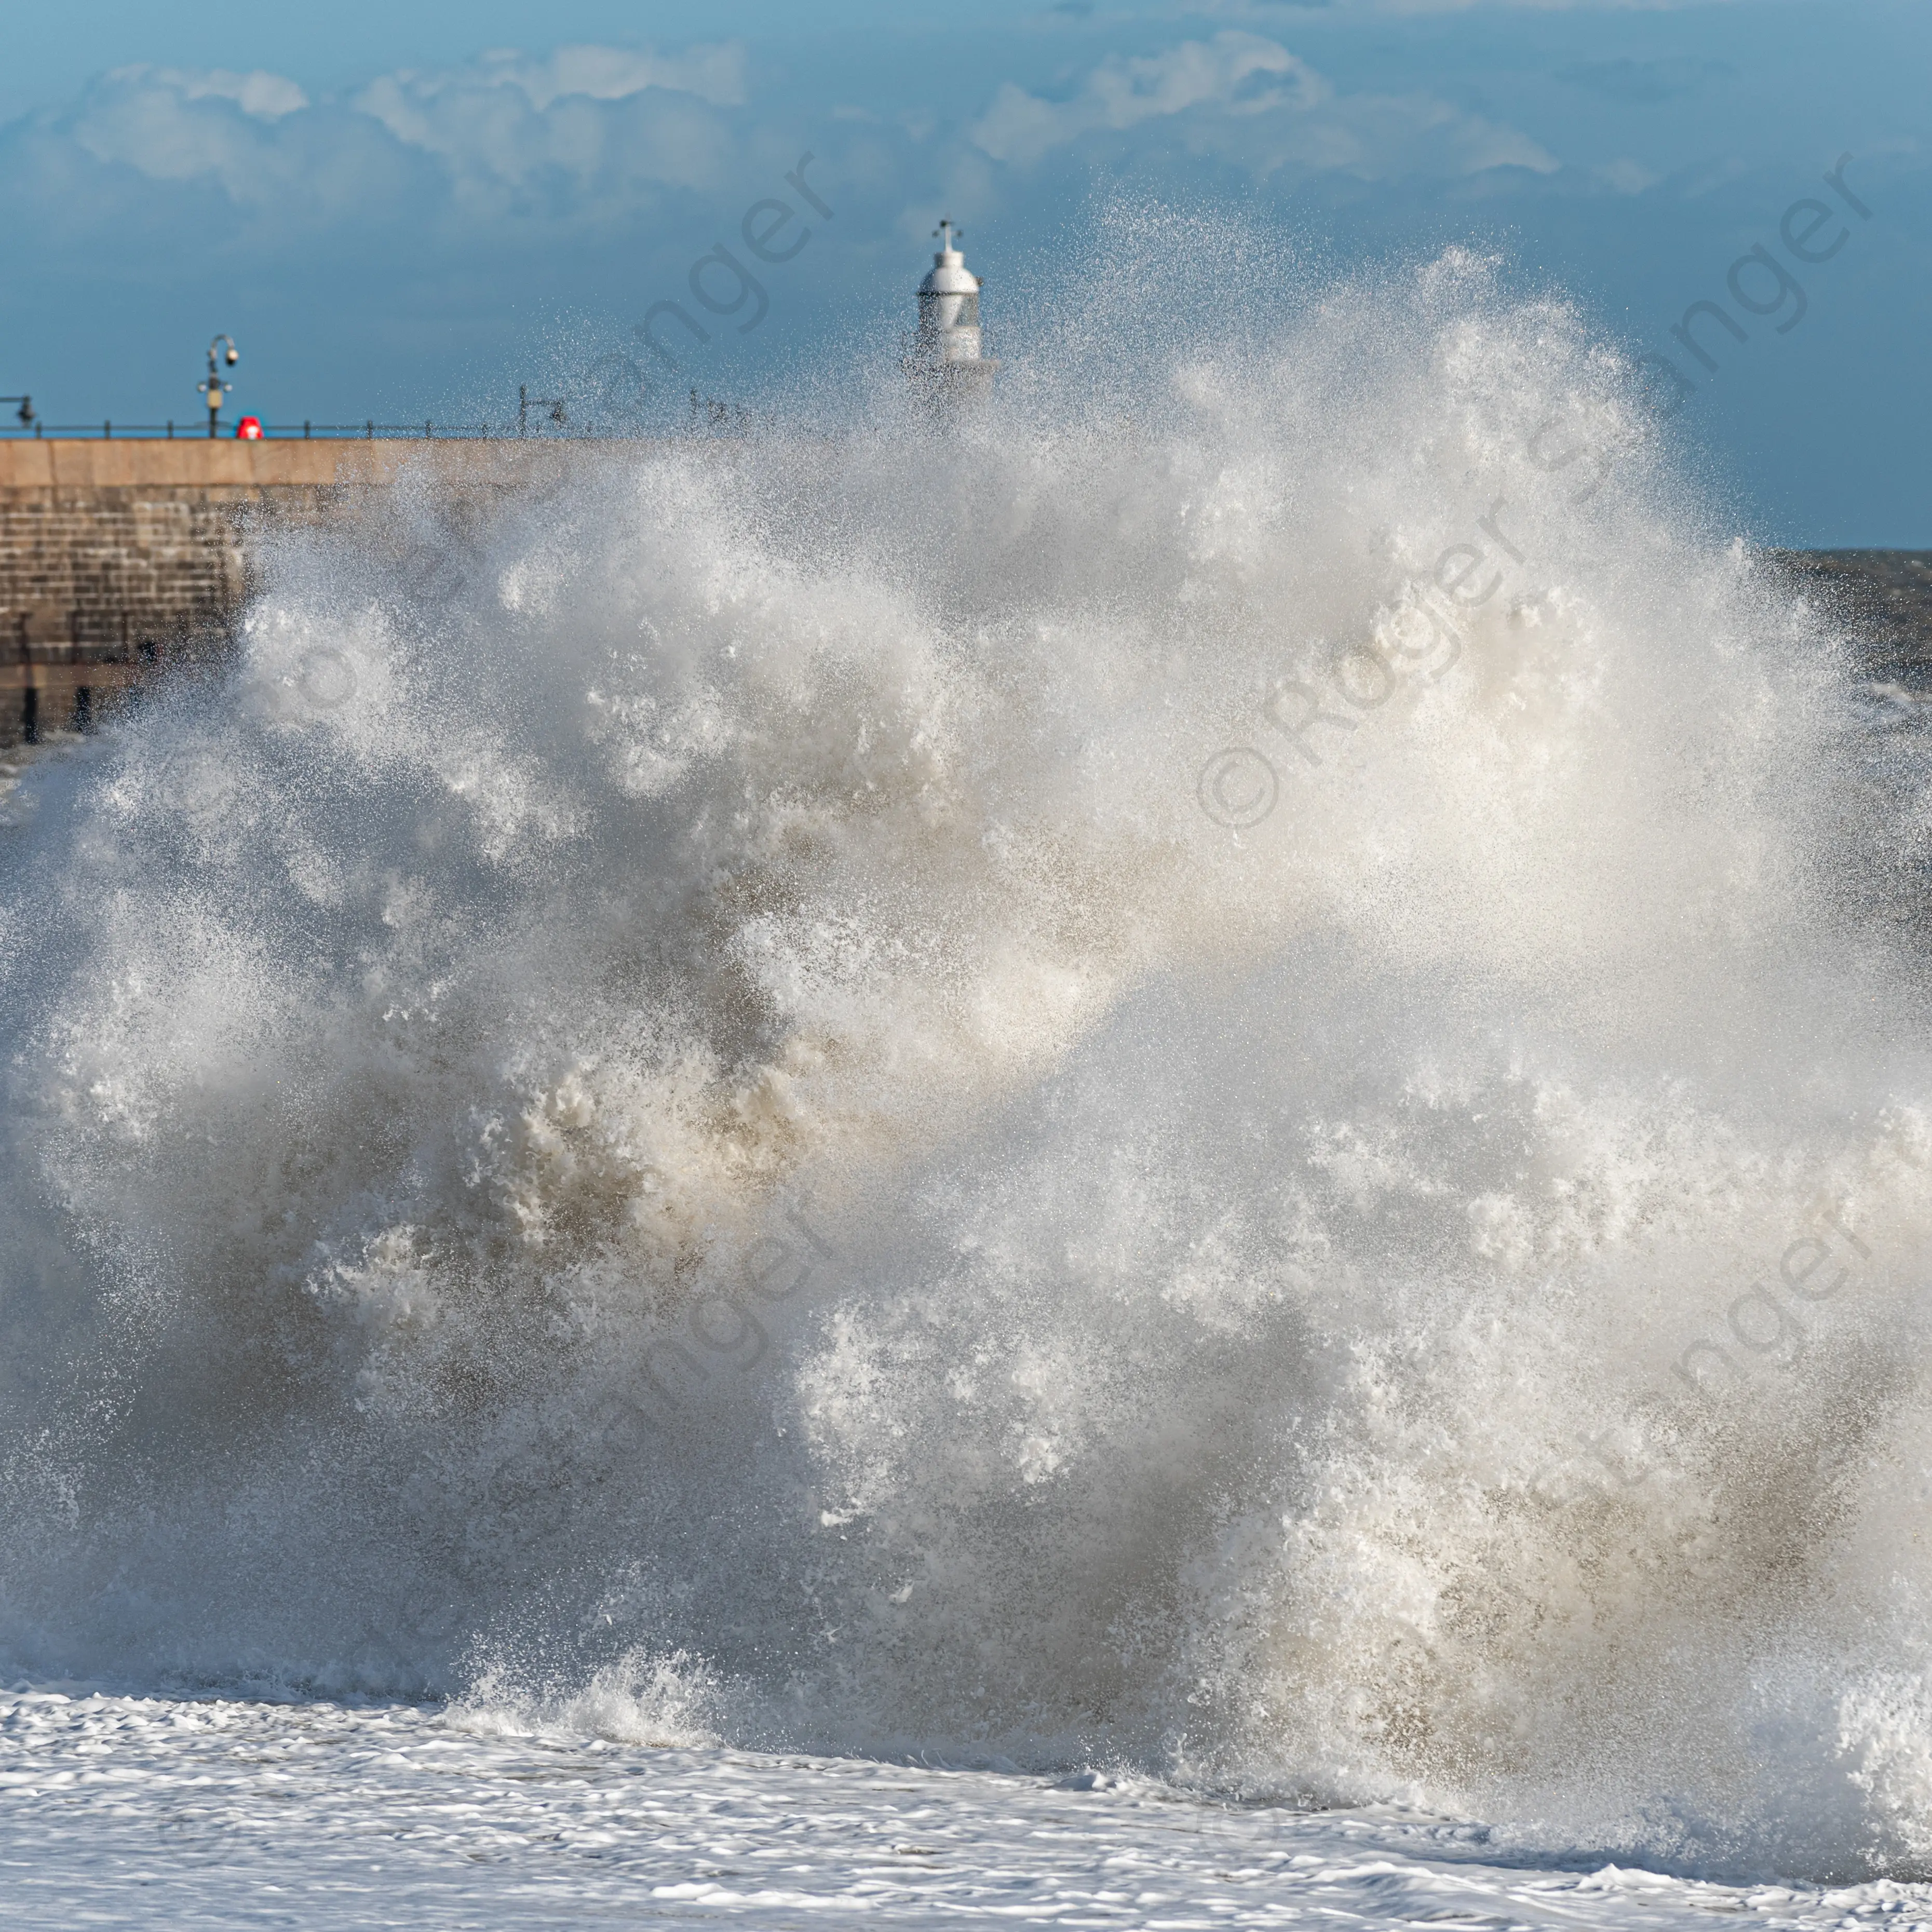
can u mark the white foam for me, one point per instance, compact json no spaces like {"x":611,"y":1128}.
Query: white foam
{"x":700,"y":1125}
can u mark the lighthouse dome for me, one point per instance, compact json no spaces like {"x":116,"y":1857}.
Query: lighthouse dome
{"x":949,"y":276}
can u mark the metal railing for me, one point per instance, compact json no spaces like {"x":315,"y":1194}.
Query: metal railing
{"x":370,"y":432}
{"x":550,"y":409}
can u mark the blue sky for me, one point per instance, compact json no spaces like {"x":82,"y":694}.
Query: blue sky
{"x":406,"y":210}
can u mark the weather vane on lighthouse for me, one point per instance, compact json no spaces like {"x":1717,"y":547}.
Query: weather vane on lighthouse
{"x":947,"y":356}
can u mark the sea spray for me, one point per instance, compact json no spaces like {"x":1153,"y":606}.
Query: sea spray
{"x":700,"y":1122}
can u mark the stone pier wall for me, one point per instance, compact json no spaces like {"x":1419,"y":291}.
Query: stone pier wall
{"x":116,"y":558}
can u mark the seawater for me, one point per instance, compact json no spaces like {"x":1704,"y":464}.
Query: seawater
{"x":787,"y":1098}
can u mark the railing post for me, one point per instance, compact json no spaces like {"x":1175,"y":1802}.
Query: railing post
{"x":307,"y":435}
{"x":171,"y":429}
{"x":371,"y":428}
{"x":107,"y":432}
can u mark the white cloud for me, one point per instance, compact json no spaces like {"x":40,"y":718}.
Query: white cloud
{"x":603,"y":118}
{"x":1247,"y":98}
{"x":713,"y":74}
{"x":1233,"y":73}
{"x":173,"y":124}
{"x":413,"y":105}
{"x":581,"y":134}
{"x":267,"y":97}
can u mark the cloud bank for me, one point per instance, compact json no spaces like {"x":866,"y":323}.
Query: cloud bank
{"x":586,"y":140}
{"x":582,"y":136}
{"x":1246,"y":98}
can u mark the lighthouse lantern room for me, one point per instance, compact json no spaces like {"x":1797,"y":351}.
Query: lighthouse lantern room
{"x":948,"y":352}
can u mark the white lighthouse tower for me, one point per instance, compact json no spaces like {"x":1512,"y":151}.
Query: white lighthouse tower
{"x":947,"y":351}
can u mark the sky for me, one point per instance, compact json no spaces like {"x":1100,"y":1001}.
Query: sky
{"x":406,"y":211}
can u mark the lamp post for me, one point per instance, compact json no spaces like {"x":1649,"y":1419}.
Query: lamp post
{"x":214,"y":389}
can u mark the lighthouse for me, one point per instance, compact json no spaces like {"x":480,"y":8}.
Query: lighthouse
{"x":946,"y":354}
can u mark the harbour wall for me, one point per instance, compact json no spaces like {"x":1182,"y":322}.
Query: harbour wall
{"x":117,"y":558}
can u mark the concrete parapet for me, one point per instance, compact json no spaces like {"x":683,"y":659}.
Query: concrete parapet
{"x":230,"y":466}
